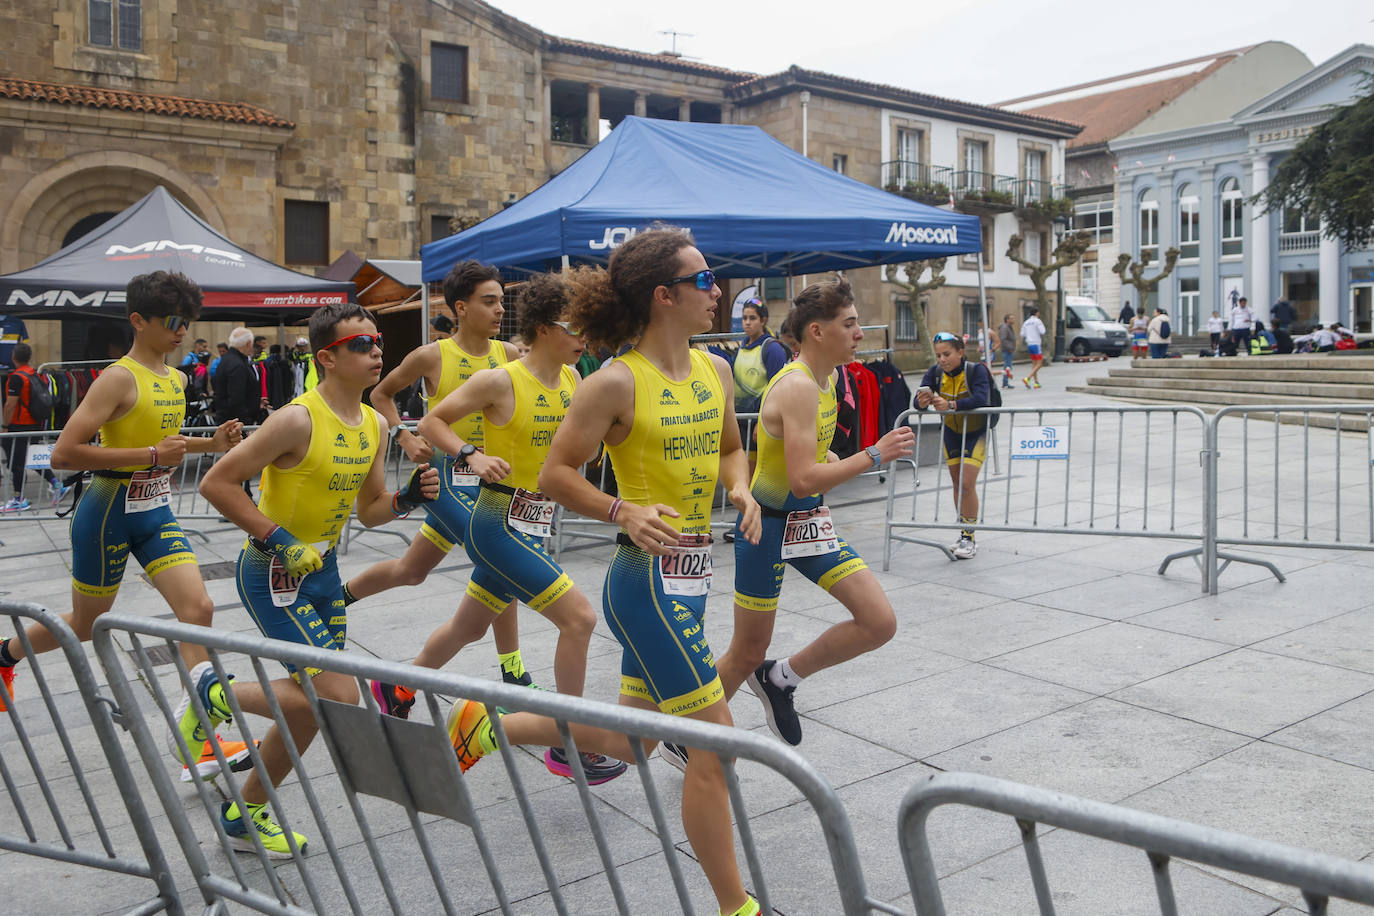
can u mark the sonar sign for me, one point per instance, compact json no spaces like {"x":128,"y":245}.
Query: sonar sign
{"x":1037,"y":443}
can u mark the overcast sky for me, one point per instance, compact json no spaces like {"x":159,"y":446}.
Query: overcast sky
{"x":972,"y":50}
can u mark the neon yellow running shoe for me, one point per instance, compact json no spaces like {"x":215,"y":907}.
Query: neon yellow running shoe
{"x":272,"y":836}
{"x":189,"y":730}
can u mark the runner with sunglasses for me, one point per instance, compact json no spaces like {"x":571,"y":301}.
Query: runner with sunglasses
{"x":137,"y":406}
{"x":666,"y":415}
{"x":474,"y":293}
{"x":796,"y":425}
{"x":521,"y":404}
{"x":318,"y":458}
{"x":951,"y":385}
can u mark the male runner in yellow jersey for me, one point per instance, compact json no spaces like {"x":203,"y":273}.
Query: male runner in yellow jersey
{"x":521,"y":403}
{"x":474,"y":293}
{"x":317,"y":456}
{"x":137,"y":405}
{"x":796,"y":425}
{"x":666,"y":414}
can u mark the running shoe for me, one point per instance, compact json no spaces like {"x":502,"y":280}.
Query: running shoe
{"x":777,"y":704}
{"x":524,"y":680}
{"x":272,"y":836}
{"x":7,"y":685}
{"x":469,"y":730}
{"x":750,"y":908}
{"x":598,"y":767}
{"x":1037,"y":384}
{"x":59,"y":491}
{"x":964,"y":548}
{"x":16,"y":504}
{"x":189,"y":729}
{"x":394,"y":699}
{"x":675,"y":754}
{"x":207,"y":767}
{"x":1025,"y":380}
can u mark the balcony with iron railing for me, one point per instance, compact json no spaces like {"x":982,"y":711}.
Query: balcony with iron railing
{"x":975,"y":191}
{"x":984,"y":192}
{"x":1041,"y":200}
{"x":920,"y":181}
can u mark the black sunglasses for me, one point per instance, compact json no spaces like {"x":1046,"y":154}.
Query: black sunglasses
{"x":358,"y":343}
{"x":704,"y":279}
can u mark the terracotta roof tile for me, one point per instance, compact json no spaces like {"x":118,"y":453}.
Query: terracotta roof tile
{"x":170,"y":105}
{"x":554,"y":43}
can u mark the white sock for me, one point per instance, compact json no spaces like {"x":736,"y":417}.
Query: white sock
{"x":782,"y":675}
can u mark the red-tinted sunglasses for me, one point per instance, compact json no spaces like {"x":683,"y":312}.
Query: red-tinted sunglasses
{"x":358,"y":343}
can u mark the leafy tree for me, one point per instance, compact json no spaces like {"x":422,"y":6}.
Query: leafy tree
{"x":1144,"y":285}
{"x":915,"y":288}
{"x":1331,"y":174}
{"x":1069,"y":250}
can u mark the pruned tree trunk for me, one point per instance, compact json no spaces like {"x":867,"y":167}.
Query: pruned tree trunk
{"x":915,"y":288}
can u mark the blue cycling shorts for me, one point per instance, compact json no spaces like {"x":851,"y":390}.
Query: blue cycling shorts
{"x":447,"y":518}
{"x":104,"y":534}
{"x":759,"y":567}
{"x":509,"y":564}
{"x":308,"y":610}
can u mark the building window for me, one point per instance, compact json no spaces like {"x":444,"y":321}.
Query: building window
{"x":438,"y":227}
{"x":116,"y":24}
{"x":1189,"y":300}
{"x":1097,"y":217}
{"x":1232,"y":225}
{"x":306,"y":232}
{"x":1189,"y":227}
{"x":840,"y":163}
{"x":972,"y":319}
{"x":906,"y":321}
{"x":1033,"y":171}
{"x":1299,"y":231}
{"x":1034,"y":247}
{"x":1149,"y":226}
{"x":1087,"y":281}
{"x":1296,"y":221}
{"x":975,"y":152}
{"x":989,"y":238}
{"x":448,"y":72}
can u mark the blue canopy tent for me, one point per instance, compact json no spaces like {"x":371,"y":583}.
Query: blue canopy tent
{"x":756,"y":207}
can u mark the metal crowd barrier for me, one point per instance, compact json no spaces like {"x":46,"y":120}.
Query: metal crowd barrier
{"x":397,"y":778}
{"x":1319,"y":877}
{"x":1150,"y":486}
{"x":56,"y":808}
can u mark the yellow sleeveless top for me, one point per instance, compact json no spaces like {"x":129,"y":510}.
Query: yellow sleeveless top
{"x":314,"y":499}
{"x":158,"y":412}
{"x":770,"y":486}
{"x":456,"y":366}
{"x":672,"y":454}
{"x":525,"y":438}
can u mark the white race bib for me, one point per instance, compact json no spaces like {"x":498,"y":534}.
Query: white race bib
{"x":283,"y":585}
{"x":463,"y":475}
{"x":530,"y":513}
{"x":686,"y":570}
{"x":808,"y":533}
{"x":148,"y":490}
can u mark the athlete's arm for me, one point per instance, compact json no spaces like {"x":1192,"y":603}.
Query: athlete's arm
{"x":377,"y":505}
{"x":489,"y":390}
{"x":14,"y":389}
{"x":422,"y":362}
{"x":734,"y":461}
{"x":283,"y":441}
{"x":793,"y":403}
{"x":602,"y":410}
{"x":111,"y":396}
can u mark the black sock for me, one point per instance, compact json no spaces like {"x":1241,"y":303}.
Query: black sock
{"x":347,"y":595}
{"x":7,"y":660}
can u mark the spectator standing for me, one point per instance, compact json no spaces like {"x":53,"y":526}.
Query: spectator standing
{"x":1282,"y":315}
{"x":1241,"y":320}
{"x":1033,"y":330}
{"x":1140,"y":329}
{"x":20,"y":416}
{"x":237,"y":393}
{"x":303,"y":374}
{"x":1159,"y":332}
{"x":1127,"y":313}
{"x":221,"y":348}
{"x":1214,"y":328}
{"x":1006,"y":338}
{"x":198,"y":349}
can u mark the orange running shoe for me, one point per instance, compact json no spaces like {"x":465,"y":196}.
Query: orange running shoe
{"x":207,"y":767}
{"x":7,"y":681}
{"x":469,"y":729}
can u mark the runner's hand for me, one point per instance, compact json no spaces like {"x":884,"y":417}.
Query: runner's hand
{"x":298,"y":557}
{"x":423,"y":487}
{"x":899,"y":443}
{"x":751,"y":516}
{"x":170,"y":451}
{"x":646,"y":527}
{"x":490,"y":469}
{"x":416,"y":447}
{"x":227,"y":435}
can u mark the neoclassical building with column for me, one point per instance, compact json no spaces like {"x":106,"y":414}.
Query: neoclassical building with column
{"x":1191,"y":189}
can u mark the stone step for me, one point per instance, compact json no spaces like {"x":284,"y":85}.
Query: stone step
{"x":1259,"y":385}
{"x":1339,"y":360}
{"x":1243,"y":370}
{"x":1211,"y":402}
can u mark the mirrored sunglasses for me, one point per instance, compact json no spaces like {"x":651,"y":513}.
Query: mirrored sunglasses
{"x":358,"y":343}
{"x":568,"y":326}
{"x":944,"y":337}
{"x":703,"y":279}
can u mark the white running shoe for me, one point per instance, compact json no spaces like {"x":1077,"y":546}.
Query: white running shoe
{"x":964,"y":549}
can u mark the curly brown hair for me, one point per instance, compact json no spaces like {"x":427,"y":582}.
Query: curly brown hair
{"x":818,"y":302}
{"x":612,"y":305}
{"x":543,"y":300}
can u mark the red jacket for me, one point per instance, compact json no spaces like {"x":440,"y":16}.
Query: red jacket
{"x":870,"y":429}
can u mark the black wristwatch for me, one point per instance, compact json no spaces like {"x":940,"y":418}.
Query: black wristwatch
{"x":466,"y":452}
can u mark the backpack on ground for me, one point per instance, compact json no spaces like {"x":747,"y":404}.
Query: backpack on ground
{"x":1164,"y":330}
{"x":42,"y":399}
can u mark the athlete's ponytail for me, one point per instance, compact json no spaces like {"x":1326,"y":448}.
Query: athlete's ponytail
{"x":612,"y":306}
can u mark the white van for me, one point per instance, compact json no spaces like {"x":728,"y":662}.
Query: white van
{"x":1087,"y":328}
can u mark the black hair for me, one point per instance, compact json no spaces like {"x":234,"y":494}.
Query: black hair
{"x":543,"y":300}
{"x":758,"y":306}
{"x":325,"y":320}
{"x":161,"y":294}
{"x":465,"y":277}
{"x":22,"y":353}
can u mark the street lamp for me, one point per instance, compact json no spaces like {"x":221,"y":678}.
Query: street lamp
{"x":1061,"y":225}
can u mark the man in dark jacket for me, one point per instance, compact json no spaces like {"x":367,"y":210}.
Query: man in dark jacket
{"x":238,"y":394}
{"x":1127,"y":313}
